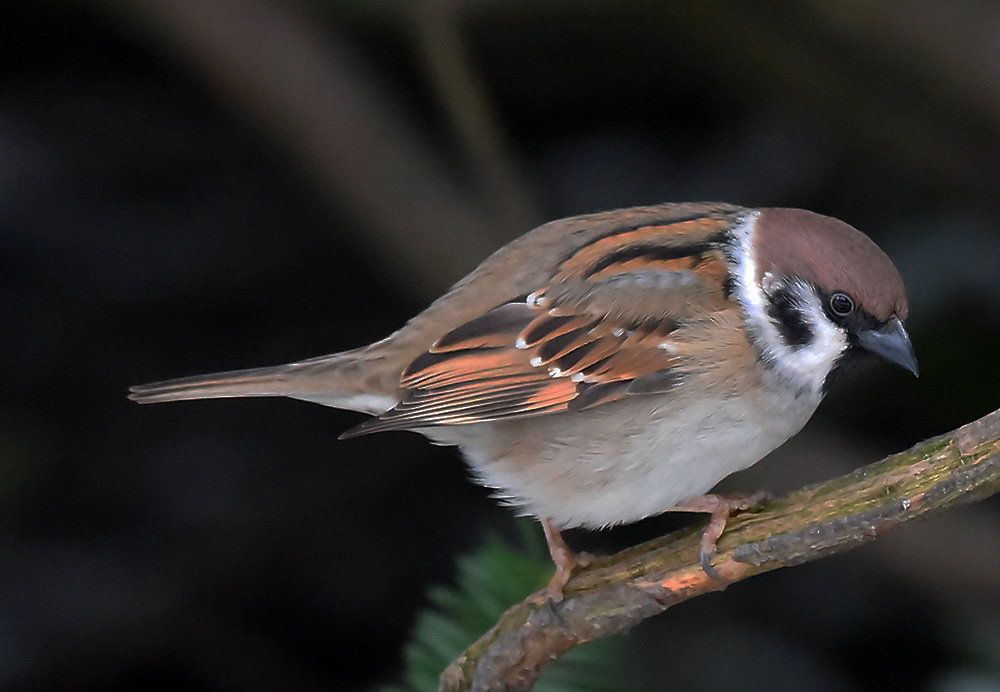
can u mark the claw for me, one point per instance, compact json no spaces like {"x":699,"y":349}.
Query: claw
{"x":705,"y":556}
{"x":719,"y":507}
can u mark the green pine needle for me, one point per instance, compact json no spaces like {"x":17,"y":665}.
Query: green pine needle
{"x":488,"y":581}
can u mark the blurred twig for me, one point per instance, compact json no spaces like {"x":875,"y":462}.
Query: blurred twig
{"x":364,"y":152}
{"x":464,"y":99}
{"x":620,"y":591}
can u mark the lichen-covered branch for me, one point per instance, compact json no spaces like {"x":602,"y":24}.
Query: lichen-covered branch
{"x":619,"y":591}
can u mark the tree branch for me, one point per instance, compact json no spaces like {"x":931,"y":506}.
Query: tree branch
{"x":619,"y":591}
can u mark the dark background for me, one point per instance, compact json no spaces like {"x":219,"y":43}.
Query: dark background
{"x":191,"y":186}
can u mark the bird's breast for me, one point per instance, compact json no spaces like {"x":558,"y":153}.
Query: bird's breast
{"x":628,"y":460}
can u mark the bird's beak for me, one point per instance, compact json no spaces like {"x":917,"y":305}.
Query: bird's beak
{"x":892,"y":343}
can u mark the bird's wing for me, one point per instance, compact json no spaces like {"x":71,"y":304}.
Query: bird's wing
{"x":609,"y":324}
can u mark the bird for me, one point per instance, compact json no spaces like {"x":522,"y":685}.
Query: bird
{"x":604,"y":368}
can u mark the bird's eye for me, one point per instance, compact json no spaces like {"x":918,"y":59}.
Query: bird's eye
{"x":841,"y":304}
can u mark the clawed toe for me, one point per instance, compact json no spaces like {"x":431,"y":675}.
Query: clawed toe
{"x":705,"y":555}
{"x":719,"y":508}
{"x":565,"y":559}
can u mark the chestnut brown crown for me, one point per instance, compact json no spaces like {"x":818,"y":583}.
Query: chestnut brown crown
{"x":833,"y":256}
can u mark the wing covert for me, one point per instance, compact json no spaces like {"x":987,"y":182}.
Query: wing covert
{"x":607,"y":326}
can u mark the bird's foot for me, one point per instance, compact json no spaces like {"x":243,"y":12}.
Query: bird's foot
{"x":565,"y":559}
{"x":719,"y":508}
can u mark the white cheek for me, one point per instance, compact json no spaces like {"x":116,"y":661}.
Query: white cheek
{"x":800,"y":367}
{"x":829,"y":343}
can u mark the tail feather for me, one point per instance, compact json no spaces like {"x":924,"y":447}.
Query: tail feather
{"x":341,"y":380}
{"x":270,"y":381}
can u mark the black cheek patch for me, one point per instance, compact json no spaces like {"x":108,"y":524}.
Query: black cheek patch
{"x":792,"y":326}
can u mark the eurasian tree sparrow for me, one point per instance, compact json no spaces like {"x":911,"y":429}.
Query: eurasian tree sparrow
{"x":604,"y":368}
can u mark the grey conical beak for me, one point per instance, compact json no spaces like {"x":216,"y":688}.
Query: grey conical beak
{"x":892,"y":343}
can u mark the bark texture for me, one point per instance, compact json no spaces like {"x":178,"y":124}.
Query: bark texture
{"x":619,"y":591}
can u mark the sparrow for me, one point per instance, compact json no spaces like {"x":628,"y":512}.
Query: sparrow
{"x":604,"y":368}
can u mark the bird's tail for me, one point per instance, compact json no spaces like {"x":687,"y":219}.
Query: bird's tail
{"x":336,"y":380}
{"x":253,"y":382}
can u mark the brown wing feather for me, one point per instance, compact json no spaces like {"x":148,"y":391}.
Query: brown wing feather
{"x":605,"y":328}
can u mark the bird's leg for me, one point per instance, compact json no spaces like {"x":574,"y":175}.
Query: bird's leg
{"x":566,"y":560}
{"x":719,"y":507}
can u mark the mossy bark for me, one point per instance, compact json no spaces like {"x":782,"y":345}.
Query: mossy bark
{"x":619,"y":591}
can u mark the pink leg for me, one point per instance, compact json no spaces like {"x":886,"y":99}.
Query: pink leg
{"x":719,"y":507}
{"x":566,"y":560}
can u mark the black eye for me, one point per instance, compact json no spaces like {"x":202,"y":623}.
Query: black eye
{"x":841,"y":304}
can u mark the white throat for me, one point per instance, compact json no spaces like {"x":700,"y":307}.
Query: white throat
{"x":802,"y":367}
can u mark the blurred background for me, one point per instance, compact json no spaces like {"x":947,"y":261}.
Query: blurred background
{"x":189,"y":186}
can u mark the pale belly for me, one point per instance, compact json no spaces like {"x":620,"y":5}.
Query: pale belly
{"x":625,"y":461}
